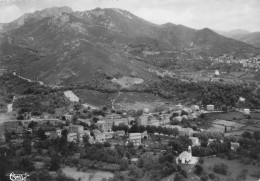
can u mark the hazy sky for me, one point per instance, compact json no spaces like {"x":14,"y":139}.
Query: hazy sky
{"x":215,"y":14}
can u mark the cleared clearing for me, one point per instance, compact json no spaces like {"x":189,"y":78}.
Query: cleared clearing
{"x":128,"y":81}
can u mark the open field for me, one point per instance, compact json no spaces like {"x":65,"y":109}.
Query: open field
{"x":230,"y":116}
{"x":234,"y":125}
{"x":236,"y":133}
{"x":126,"y":100}
{"x":255,"y":116}
{"x":234,"y":168}
{"x":128,"y":81}
{"x":90,"y":175}
{"x":252,"y":128}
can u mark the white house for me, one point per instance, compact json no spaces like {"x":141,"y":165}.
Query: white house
{"x":68,"y":117}
{"x":195,"y":141}
{"x":185,"y":157}
{"x":210,"y":107}
{"x":146,"y":110}
{"x":246,"y":111}
{"x":216,"y":72}
{"x":72,"y":137}
{"x":195,"y":108}
{"x":136,"y":138}
{"x":242,"y":99}
{"x":120,"y":133}
{"x":234,"y":146}
{"x":109,"y":135}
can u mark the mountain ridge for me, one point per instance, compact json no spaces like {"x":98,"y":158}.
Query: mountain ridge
{"x":64,"y":47}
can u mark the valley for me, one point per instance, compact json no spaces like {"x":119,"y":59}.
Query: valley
{"x":106,"y":95}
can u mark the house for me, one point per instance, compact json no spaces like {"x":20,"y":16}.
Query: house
{"x":2,"y":137}
{"x":212,"y":140}
{"x":143,"y":119}
{"x":76,"y":129}
{"x":27,"y":115}
{"x":165,"y":119}
{"x":186,"y":131}
{"x":216,"y":73}
{"x":72,"y":137}
{"x":120,"y":121}
{"x":17,"y":142}
{"x":86,"y":121}
{"x":58,"y":132}
{"x":179,"y":106}
{"x":51,"y":134}
{"x":153,"y":121}
{"x":234,"y":145}
{"x":195,"y":108}
{"x":144,"y":135}
{"x":134,"y":161}
{"x":109,"y":135}
{"x":185,"y":157}
{"x":91,"y":139}
{"x":120,"y":133}
{"x":136,"y":138}
{"x":210,"y":107}
{"x":246,"y":111}
{"x":177,"y":118}
{"x":242,"y":99}
{"x":195,"y":141}
{"x":146,"y":111}
{"x":99,"y":136}
{"x":68,"y":117}
{"x":105,"y":125}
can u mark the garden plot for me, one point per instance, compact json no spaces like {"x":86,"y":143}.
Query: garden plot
{"x":232,"y":124}
{"x":252,"y":128}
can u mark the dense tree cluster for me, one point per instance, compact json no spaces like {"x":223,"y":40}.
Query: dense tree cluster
{"x":219,"y":94}
{"x":37,"y":104}
{"x":249,"y":145}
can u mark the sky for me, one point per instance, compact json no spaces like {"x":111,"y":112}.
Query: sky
{"x":215,"y":14}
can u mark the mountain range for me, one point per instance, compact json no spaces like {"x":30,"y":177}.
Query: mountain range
{"x":61,"y":46}
{"x":252,"y":38}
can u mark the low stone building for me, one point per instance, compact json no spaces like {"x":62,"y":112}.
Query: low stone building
{"x":195,"y":141}
{"x":135,"y":138}
{"x":72,"y":137}
{"x":234,"y":145}
{"x":210,"y":107}
{"x":99,"y":136}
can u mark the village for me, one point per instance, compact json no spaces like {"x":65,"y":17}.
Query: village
{"x":143,"y":130}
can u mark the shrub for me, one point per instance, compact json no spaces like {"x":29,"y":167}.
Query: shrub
{"x":204,"y":178}
{"x":220,"y":168}
{"x":212,"y":176}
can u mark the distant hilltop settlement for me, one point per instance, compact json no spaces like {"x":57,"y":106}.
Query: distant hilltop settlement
{"x":116,"y":127}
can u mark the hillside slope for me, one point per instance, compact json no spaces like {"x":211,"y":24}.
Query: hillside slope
{"x":59,"y":46}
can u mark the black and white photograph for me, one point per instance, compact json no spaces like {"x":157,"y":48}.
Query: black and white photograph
{"x":129,"y":90}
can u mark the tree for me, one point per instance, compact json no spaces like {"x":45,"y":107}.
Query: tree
{"x":257,"y":135}
{"x":133,"y":129}
{"x":123,"y":164}
{"x":64,"y":133}
{"x":246,"y":134}
{"x":54,"y":164}
{"x":44,"y":175}
{"x":221,"y":168}
{"x":140,"y":163}
{"x":26,"y":164}
{"x":86,"y":140}
{"x":41,"y":134}
{"x":179,"y":177}
{"x":198,"y":169}
{"x":32,"y":124}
